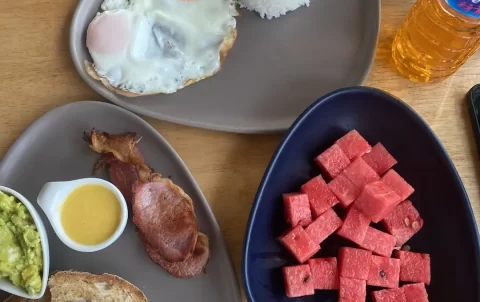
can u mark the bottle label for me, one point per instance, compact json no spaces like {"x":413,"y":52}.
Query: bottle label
{"x":469,"y":8}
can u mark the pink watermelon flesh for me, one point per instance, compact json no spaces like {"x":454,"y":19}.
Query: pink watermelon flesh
{"x":324,"y":273}
{"x":352,"y":290}
{"x":299,"y":244}
{"x":319,"y":195}
{"x":298,"y":280}
{"x":332,"y":161}
{"x":403,"y":222}
{"x":398,"y":184}
{"x":355,"y":225}
{"x":344,"y":189}
{"x":360,"y":173}
{"x":414,"y":267}
{"x":379,"y":159}
{"x":378,"y":242}
{"x":415,"y":292}
{"x":384,"y":272}
{"x":297,"y":209}
{"x":323,"y":226}
{"x":353,"y":144}
{"x":377,"y":200}
{"x":389,"y":295}
{"x":354,"y":263}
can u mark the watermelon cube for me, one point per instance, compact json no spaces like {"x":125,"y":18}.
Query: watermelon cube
{"x":319,"y":195}
{"x":414,"y":267}
{"x":398,"y":184}
{"x":354,"y":263}
{"x":384,"y":272}
{"x":379,"y":159}
{"x":297,"y":209}
{"x":415,"y":292}
{"x":377,"y":200}
{"x":299,"y":244}
{"x":332,"y":161}
{"x":344,"y":189}
{"x":355,"y":225}
{"x":298,"y":280}
{"x":323,"y":226}
{"x":324,"y":273}
{"x":403,"y":222}
{"x":352,"y":290}
{"x":378,"y":242}
{"x":353,"y":144}
{"x":389,"y":295}
{"x":360,"y":173}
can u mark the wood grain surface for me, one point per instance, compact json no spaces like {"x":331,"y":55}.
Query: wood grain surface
{"x":37,"y":75}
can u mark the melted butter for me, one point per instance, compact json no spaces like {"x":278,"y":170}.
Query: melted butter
{"x":90,"y":214}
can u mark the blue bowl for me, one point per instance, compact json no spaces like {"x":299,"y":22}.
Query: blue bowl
{"x":449,"y":233}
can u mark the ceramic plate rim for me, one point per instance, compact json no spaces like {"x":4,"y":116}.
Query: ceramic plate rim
{"x":279,"y":125}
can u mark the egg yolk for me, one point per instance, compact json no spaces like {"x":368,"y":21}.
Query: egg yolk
{"x":90,"y":214}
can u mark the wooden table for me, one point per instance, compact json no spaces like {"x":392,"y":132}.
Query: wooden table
{"x":37,"y":75}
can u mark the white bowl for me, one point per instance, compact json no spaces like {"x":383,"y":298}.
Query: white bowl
{"x":6,"y":285}
{"x":53,"y":194}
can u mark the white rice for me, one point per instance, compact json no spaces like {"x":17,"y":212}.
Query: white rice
{"x":272,"y":8}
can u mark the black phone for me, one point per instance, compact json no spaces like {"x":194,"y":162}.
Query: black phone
{"x":473,"y":103}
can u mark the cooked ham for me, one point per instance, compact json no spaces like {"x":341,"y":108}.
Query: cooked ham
{"x":164,"y":215}
{"x":189,"y":268}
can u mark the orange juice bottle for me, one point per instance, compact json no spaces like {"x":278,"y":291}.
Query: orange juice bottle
{"x":436,"y":38}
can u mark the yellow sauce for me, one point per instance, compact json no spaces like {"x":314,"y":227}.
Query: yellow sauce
{"x":90,"y":214}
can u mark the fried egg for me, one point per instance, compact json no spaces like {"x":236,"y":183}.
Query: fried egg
{"x":141,"y":47}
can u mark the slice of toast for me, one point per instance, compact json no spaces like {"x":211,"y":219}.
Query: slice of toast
{"x":68,"y":286}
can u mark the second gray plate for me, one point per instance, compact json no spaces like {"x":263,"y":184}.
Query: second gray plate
{"x":52,"y":149}
{"x":274,"y":71}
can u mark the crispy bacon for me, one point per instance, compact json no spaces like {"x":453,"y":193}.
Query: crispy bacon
{"x":162,"y":211}
{"x":189,"y":268}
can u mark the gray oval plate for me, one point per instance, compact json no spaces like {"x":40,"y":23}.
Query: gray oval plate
{"x":274,"y":71}
{"x":52,"y":149}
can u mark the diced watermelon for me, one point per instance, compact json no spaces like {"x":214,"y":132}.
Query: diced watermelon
{"x":378,"y":242}
{"x":398,"y":184}
{"x":355,"y":225}
{"x":324,"y":272}
{"x":384,"y":272}
{"x":299,"y":244}
{"x":415,"y":292}
{"x":323,"y":226}
{"x":389,"y":295}
{"x":298,"y":280}
{"x":319,"y":195}
{"x":360,"y":173}
{"x":379,"y":159}
{"x":377,"y":200}
{"x":344,"y":189}
{"x":297,"y":209}
{"x":354,"y":263}
{"x":353,"y":144}
{"x":403,"y":222}
{"x":352,"y":290}
{"x":332,"y":161}
{"x":414,"y":267}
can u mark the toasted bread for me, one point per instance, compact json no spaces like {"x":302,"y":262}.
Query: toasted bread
{"x":225,"y":48}
{"x":72,"y":286}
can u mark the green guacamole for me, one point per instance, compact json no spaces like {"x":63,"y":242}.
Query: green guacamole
{"x":21,"y":258}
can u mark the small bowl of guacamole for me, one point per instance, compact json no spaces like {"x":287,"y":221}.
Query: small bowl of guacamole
{"x":24,"y":254}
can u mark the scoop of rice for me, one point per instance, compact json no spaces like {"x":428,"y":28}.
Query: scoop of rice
{"x":272,"y":8}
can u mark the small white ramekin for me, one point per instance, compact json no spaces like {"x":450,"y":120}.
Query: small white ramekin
{"x":52,"y":196}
